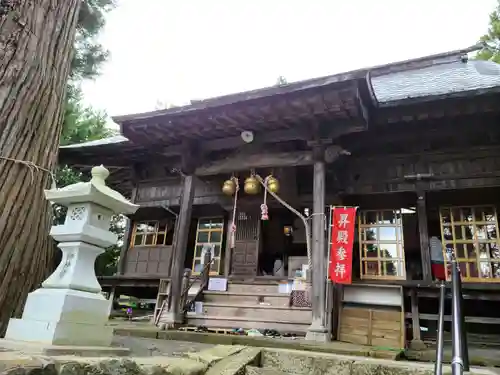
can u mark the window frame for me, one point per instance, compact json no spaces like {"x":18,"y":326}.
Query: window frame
{"x":166,"y":227}
{"x":381,"y":261}
{"x":475,"y":241}
{"x":217,"y":259}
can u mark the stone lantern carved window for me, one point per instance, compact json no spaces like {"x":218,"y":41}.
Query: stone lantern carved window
{"x":77,"y":213}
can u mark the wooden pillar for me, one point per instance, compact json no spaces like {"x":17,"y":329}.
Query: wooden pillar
{"x":228,"y":251}
{"x":425,"y":252}
{"x":317,"y":331}
{"x":174,"y":315}
{"x":416,"y":342}
{"x":120,"y":268}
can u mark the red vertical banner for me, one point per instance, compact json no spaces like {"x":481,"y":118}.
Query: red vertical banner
{"x":342,"y":222}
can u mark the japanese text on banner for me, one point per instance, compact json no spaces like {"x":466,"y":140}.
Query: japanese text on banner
{"x":342,"y":222}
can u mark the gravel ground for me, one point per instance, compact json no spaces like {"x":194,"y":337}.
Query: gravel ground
{"x":142,"y":347}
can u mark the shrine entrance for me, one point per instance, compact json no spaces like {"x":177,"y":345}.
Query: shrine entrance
{"x":283,"y":246}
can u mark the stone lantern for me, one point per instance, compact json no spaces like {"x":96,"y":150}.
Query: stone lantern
{"x":69,"y":308}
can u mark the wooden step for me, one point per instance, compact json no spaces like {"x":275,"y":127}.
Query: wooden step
{"x":256,"y":289}
{"x":233,"y":322}
{"x":273,"y":313}
{"x":274,"y":299}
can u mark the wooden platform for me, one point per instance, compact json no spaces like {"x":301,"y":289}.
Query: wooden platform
{"x":220,"y":331}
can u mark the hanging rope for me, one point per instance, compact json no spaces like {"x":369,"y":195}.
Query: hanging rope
{"x":232,"y":240}
{"x":264,"y":210}
{"x":33,"y":168}
{"x":306,"y":226}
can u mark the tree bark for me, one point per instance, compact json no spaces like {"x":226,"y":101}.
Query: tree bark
{"x":36,"y":46}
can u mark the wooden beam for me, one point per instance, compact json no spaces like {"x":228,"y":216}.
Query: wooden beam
{"x":268,"y":160}
{"x":365,"y":101}
{"x":227,"y":143}
{"x":192,"y":154}
{"x":419,"y":132}
{"x":246,"y":162}
{"x":474,"y":296}
{"x":424,"y":235}
{"x":468,"y":319}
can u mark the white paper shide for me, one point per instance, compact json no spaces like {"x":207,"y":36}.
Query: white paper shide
{"x":69,"y":309}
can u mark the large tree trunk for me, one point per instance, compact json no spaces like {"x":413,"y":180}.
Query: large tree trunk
{"x":36,"y":46}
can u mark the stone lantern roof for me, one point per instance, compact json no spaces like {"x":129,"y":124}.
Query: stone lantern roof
{"x":93,"y":191}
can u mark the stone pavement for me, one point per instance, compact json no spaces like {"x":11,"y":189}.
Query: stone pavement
{"x":144,"y":347}
{"x":146,"y":330}
{"x":219,"y":360}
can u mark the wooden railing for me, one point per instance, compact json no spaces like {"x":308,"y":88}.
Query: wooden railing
{"x":161,"y":299}
{"x":187,"y":283}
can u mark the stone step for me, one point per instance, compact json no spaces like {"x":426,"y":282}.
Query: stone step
{"x":256,"y":289}
{"x":290,"y":314}
{"x":232,"y":322}
{"x":252,"y":370}
{"x":273,"y":299}
{"x":306,"y":363}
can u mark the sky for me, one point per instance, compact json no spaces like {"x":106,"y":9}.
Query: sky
{"x":174,"y":51}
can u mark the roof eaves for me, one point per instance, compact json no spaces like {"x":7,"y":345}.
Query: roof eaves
{"x":99,"y":142}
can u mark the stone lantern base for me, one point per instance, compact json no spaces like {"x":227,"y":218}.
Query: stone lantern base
{"x":63,"y":317}
{"x":69,"y":311}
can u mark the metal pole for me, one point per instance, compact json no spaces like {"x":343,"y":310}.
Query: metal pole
{"x":465,"y":348}
{"x":330,"y":287}
{"x":438,"y":366}
{"x":457,"y":366}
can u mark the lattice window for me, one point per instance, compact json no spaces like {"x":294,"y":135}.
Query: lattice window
{"x":381,"y":245}
{"x":472,"y":232}
{"x":77,"y":213}
{"x":209,"y":233}
{"x":152,"y":233}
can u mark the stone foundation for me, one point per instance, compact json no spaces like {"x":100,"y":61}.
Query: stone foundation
{"x":220,"y":360}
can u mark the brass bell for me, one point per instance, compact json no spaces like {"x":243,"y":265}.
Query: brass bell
{"x":229,"y":187}
{"x":273,"y":184}
{"x":252,"y":186}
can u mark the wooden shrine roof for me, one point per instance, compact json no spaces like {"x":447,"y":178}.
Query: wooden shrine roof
{"x":345,"y":98}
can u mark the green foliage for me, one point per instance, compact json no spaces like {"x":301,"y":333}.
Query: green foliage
{"x":491,"y":40}
{"x":81,"y":123}
{"x":89,"y":53}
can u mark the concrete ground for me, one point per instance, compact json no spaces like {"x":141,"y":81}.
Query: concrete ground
{"x":145,"y":347}
{"x":147,"y":330}
{"x":478,"y":356}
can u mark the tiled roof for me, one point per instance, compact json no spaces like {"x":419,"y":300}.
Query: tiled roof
{"x":441,"y":79}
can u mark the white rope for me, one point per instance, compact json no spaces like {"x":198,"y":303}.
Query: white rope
{"x":32,"y":168}
{"x":232,"y":240}
{"x":264,"y":210}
